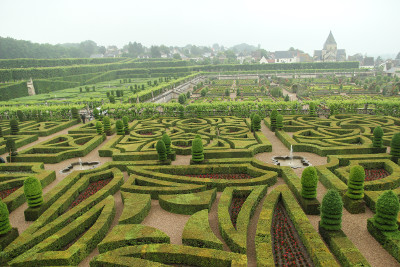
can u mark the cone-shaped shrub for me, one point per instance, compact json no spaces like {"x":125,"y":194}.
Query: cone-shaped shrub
{"x":378,"y":134}
{"x":1,"y":132}
{"x":120,"y":127}
{"x":312,"y":109}
{"x":125,"y":120}
{"x":96,"y":113}
{"x":161,"y":150}
{"x":256,"y":123}
{"x":14,"y":126}
{"x":5,"y":225}
{"x":33,"y":192}
{"x":197,"y":150}
{"x":107,"y":125}
{"x":387,"y":208}
{"x":355,"y":185}
{"x":99,"y":128}
{"x":309,"y":180}
{"x":167,"y":142}
{"x":10,"y":146}
{"x":331,"y":211}
{"x":181,"y":112}
{"x":279,"y":122}
{"x":274,"y":113}
{"x":395,"y":146}
{"x":251,"y":120}
{"x":75,"y":114}
{"x":20,"y":115}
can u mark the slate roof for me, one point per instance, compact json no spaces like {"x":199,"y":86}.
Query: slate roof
{"x":285,"y":54}
{"x":329,"y":40}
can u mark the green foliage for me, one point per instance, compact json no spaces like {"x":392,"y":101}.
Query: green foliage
{"x":355,"y":185}
{"x":33,"y":192}
{"x":125,"y":120}
{"x":1,"y":132}
{"x":203,"y":92}
{"x":256,"y":123}
{"x":75,"y":114}
{"x":161,"y":150}
{"x":182,"y":99}
{"x":167,"y":141}
{"x":387,"y":208}
{"x":181,"y":112}
{"x":312,"y":108}
{"x":14,"y":126}
{"x":287,"y":98}
{"x":378,"y":134}
{"x":20,"y":115}
{"x":107,"y":125}
{"x":112,"y":99}
{"x":197,"y":150}
{"x":120,"y":127}
{"x":10,"y":146}
{"x":227,"y":92}
{"x":99,"y":128}
{"x":273,"y":116}
{"x":309,"y":180}
{"x":96,"y":113}
{"x":395,"y":146}
{"x":331,"y":211}
{"x":5,"y":225}
{"x":279,"y":122}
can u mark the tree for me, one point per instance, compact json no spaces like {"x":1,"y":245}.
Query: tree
{"x":197,"y":150}
{"x":181,"y":110}
{"x":125,"y":120}
{"x":273,"y":116}
{"x":20,"y":115}
{"x":395,"y":146}
{"x":355,"y":186}
{"x":203,"y":92}
{"x":312,"y":109}
{"x":155,"y":51}
{"x":96,"y":113}
{"x":5,"y":225}
{"x":182,"y":99}
{"x":256,"y":123}
{"x":227,"y":92}
{"x":33,"y":192}
{"x":1,"y":132}
{"x":107,"y":125}
{"x":387,"y":208}
{"x":187,"y":95}
{"x":75,"y":114}
{"x":14,"y":127}
{"x":331,"y":211}
{"x":167,"y":141}
{"x":112,"y":99}
{"x":287,"y":98}
{"x":309,"y":181}
{"x":378,"y":134}
{"x":279,"y":122}
{"x":161,"y":150}
{"x":99,"y":128}
{"x":177,"y":56}
{"x":120,"y":127}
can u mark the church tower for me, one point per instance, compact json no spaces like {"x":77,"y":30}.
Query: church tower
{"x":330,"y":49}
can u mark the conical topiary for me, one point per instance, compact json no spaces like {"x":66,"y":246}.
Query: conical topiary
{"x":11,"y":147}
{"x":125,"y":120}
{"x":99,"y":128}
{"x":96,"y":113}
{"x":167,"y":142}
{"x":377,"y":141}
{"x":14,"y":126}
{"x":1,"y":132}
{"x":309,"y":180}
{"x":120,"y":127}
{"x":107,"y":125}
{"x":161,"y":150}
{"x":33,"y":192}
{"x":355,"y":185}
{"x":75,"y":114}
{"x":395,"y":146}
{"x":197,"y":150}
{"x":181,"y":112}
{"x":256,"y":123}
{"x":312,"y":108}
{"x":331,"y":211}
{"x":274,"y":113}
{"x":279,"y":122}
{"x":387,"y":208}
{"x":5,"y":225}
{"x":251,"y":122}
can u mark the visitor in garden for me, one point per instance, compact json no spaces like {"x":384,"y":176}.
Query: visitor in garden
{"x":83,"y":117}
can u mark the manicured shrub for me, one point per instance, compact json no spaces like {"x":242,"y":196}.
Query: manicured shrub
{"x":112,"y":99}
{"x":75,"y":114}
{"x":182,"y":99}
{"x":20,"y":115}
{"x":181,"y":112}
{"x":10,"y":146}
{"x":355,"y":186}
{"x":256,"y":123}
{"x":33,"y":192}
{"x":395,"y":146}
{"x":331,"y":211}
{"x":377,"y":141}
{"x":309,"y":180}
{"x":99,"y":128}
{"x":96,"y":113}
{"x":197,"y":150}
{"x":5,"y":225}
{"x":125,"y":120}
{"x":161,"y":150}
{"x":167,"y":141}
{"x":387,"y":208}
{"x":273,"y":116}
{"x":107,"y":125}
{"x":1,"y":132}
{"x":279,"y":122}
{"x":120,"y":127}
{"x":312,"y":108}
{"x":14,"y":126}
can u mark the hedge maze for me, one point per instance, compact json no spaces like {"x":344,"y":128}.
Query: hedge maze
{"x":80,"y":213}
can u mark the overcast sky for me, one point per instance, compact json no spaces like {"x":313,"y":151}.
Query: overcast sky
{"x":366,"y":26}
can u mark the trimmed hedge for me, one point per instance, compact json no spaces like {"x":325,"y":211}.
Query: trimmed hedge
{"x":136,"y":207}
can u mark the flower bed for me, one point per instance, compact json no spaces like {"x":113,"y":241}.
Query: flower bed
{"x":234,"y":209}
{"x":90,"y":190}
{"x":7,"y":192}
{"x":375,"y":174}
{"x":228,"y":176}
{"x":287,"y":246}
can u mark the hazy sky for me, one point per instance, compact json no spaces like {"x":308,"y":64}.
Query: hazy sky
{"x":365,"y":26}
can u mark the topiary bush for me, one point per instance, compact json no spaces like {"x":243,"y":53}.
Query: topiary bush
{"x":167,"y":141}
{"x":11,"y":147}
{"x":377,"y":141}
{"x":312,"y":108}
{"x":99,"y":128}
{"x":33,"y":192}
{"x":181,"y":112}
{"x":125,"y":120}
{"x":120,"y":127}
{"x":387,"y":208}
{"x":75,"y":114}
{"x":161,"y":150}
{"x":331,"y":211}
{"x":107,"y":125}
{"x":309,"y":180}
{"x":355,"y":185}
{"x":96,"y":113}
{"x":273,"y":116}
{"x":1,"y":132}
{"x":5,"y":225}
{"x":395,"y":146}
{"x":256,"y":123}
{"x":197,"y":150}
{"x":14,"y":126}
{"x":279,"y":122}
{"x":20,"y":115}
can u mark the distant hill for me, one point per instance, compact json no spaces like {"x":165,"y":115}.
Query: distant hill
{"x":243,"y":48}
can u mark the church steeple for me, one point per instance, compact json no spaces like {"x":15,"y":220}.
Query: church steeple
{"x":329,"y":41}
